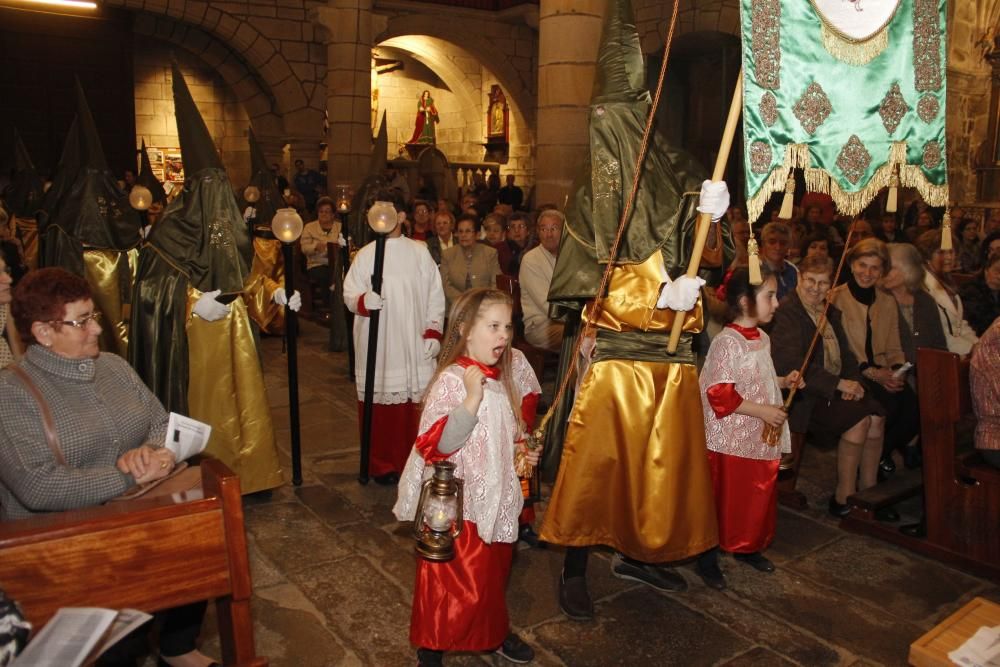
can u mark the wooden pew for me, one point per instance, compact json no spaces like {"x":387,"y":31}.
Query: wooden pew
{"x":149,"y":555}
{"x":961,"y":492}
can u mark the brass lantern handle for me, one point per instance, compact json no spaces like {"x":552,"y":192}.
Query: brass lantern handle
{"x":418,"y":519}
{"x":460,"y":515}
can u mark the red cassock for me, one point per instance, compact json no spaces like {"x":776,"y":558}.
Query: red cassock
{"x":461,"y":605}
{"x":394,"y":428}
{"x":746,"y":492}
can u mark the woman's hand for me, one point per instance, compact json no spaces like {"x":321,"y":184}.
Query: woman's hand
{"x":474,"y":381}
{"x":851,"y":390}
{"x":774,"y":415}
{"x":136,"y":462}
{"x":161,"y":465}
{"x":791,"y":380}
{"x":887,"y":379}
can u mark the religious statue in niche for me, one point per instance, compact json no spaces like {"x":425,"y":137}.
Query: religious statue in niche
{"x":497,"y":127}
{"x":427,"y":117}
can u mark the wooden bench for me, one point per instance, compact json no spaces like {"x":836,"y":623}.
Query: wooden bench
{"x":961,"y":492}
{"x":149,"y":555}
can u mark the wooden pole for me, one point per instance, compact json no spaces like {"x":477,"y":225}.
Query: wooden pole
{"x":705,"y":219}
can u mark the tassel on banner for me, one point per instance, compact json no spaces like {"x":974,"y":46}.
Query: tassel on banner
{"x":788,"y":201}
{"x":946,"y":231}
{"x":892,"y":201}
{"x":753,"y":261}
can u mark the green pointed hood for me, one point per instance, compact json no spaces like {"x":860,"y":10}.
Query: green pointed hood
{"x":357,"y":222}
{"x":147,"y":178}
{"x":202,"y":230}
{"x":660,"y":213}
{"x":85,"y":207}
{"x":263,"y":179}
{"x":26,"y":190}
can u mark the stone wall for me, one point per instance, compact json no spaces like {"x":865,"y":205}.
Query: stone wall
{"x":155,"y":122}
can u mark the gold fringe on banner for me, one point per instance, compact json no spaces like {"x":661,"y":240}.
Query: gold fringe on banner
{"x":855,"y":53}
{"x":848,"y":203}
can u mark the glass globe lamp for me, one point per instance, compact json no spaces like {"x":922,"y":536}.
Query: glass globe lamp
{"x":382,"y":217}
{"x":286,"y":225}
{"x":251,"y":194}
{"x":140,"y":198}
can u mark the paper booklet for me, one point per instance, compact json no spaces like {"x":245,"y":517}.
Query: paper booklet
{"x":186,"y":437}
{"x":78,"y":636}
{"x":980,"y":650}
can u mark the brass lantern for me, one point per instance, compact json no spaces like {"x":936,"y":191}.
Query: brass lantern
{"x":439,"y":514}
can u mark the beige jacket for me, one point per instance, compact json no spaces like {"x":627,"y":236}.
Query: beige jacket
{"x":886,"y":348}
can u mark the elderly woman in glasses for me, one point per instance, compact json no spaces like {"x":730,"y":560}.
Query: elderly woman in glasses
{"x":110,"y":429}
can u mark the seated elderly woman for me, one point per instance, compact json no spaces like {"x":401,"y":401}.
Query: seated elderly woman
{"x":469,"y":264}
{"x":871,"y":321}
{"x":981,"y":297}
{"x":9,"y":340}
{"x":919,"y":324}
{"x":833,"y":401}
{"x":985,"y":389}
{"x":938,"y":282}
{"x":109,"y":428}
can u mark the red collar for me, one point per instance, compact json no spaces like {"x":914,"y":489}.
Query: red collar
{"x":750,"y":333}
{"x":492,"y":372}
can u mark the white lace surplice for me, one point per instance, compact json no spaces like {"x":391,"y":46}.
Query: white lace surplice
{"x":747,"y":364}
{"x":493,"y":497}
{"x":414,"y":303}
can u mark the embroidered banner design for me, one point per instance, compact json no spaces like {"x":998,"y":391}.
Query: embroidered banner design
{"x":850,"y":91}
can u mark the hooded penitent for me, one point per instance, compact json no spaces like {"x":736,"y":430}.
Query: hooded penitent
{"x":23,"y":199}
{"x":267,"y":273}
{"x":661,"y":215}
{"x":636,"y":426}
{"x":148,"y":179}
{"x":357,"y":223}
{"x":84,"y":208}
{"x":208,"y":370}
{"x":86,"y":226}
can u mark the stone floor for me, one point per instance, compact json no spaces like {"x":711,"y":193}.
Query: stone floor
{"x":333,"y":572}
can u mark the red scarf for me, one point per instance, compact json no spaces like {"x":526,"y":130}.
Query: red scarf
{"x":492,"y":372}
{"x":750,"y":333}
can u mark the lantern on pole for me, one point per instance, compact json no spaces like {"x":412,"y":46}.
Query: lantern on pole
{"x":439,"y":519}
{"x":287,"y":228}
{"x":382,"y":218}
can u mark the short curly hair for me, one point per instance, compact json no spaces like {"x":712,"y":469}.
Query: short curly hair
{"x":42,"y":296}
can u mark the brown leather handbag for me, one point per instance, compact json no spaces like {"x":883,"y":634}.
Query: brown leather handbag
{"x":182,"y":478}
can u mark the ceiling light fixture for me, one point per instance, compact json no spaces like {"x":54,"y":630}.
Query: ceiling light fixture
{"x":75,"y":4}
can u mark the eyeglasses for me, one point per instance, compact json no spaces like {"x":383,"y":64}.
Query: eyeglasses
{"x":81,"y":323}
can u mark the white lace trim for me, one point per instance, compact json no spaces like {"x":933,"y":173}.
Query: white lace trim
{"x":392,"y":397}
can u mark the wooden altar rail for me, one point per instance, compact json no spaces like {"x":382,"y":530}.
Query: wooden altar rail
{"x":462,"y":177}
{"x":149,"y":555}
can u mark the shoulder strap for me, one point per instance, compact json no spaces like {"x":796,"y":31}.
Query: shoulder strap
{"x":51,"y":438}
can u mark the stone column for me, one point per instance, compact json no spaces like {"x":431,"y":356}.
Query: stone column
{"x":348,"y":87}
{"x":565,"y":80}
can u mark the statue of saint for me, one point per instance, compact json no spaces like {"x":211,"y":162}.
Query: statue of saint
{"x":427,"y":117}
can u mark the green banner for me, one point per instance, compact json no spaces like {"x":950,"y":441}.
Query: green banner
{"x":850,"y":91}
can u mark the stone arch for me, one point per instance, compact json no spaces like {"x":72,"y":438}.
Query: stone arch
{"x":281,"y":91}
{"x":653,"y":19}
{"x":456,"y":34}
{"x":246,"y":85}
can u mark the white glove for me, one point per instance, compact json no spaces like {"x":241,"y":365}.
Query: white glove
{"x":431,"y":348}
{"x":373,"y":301}
{"x":251,"y":212}
{"x":294,"y":303}
{"x":208,"y":309}
{"x":341,"y":241}
{"x":714,"y":199}
{"x":681,"y":294}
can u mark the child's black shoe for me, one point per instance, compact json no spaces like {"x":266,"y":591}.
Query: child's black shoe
{"x":515,"y":650}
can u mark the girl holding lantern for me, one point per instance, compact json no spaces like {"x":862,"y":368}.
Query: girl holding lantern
{"x":742,"y":396}
{"x":476,"y":412}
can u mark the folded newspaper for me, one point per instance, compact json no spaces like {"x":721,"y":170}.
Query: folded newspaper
{"x":980,"y":650}
{"x":78,"y":636}
{"x":186,"y":437}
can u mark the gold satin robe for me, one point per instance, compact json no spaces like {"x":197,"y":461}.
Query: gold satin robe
{"x":111,"y":274}
{"x":634,"y":473}
{"x":267,"y":275}
{"x":226,"y":390}
{"x":27,"y":230}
